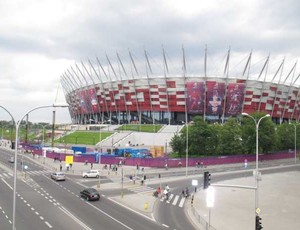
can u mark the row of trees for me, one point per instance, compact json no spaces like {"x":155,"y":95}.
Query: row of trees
{"x":236,"y":136}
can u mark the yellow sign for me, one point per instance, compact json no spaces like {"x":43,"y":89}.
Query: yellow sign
{"x":257,"y":210}
{"x":69,"y":159}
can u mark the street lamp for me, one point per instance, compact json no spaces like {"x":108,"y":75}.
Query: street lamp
{"x":17,"y":124}
{"x":295,"y":126}
{"x":256,"y":168}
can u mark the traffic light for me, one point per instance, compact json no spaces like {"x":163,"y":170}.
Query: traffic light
{"x":206,"y":180}
{"x":258,"y":223}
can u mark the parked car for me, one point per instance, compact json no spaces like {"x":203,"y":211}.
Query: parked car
{"x":58,"y":176}
{"x":11,"y":160}
{"x":91,"y":173}
{"x":90,"y":194}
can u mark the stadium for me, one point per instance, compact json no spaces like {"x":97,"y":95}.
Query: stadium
{"x":128,"y":89}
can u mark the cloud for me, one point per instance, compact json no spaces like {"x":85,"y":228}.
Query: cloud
{"x":41,"y":39}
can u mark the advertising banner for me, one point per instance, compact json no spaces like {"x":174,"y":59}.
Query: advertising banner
{"x":195,"y":97}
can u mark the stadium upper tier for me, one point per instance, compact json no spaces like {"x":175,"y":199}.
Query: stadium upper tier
{"x":97,"y":93}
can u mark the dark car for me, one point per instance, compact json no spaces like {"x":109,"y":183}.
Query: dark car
{"x":90,"y":194}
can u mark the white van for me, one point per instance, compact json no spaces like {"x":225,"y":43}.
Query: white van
{"x":91,"y":173}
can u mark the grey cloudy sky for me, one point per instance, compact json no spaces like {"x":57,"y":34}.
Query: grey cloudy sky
{"x":40,"y":39}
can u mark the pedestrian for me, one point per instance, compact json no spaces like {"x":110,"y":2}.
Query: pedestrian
{"x":245,"y":163}
{"x":91,"y":165}
{"x":60,"y":168}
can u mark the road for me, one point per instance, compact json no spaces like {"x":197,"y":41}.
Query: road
{"x":45,"y":204}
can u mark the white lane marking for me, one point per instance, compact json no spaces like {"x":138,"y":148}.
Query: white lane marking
{"x":6,"y":183}
{"x":49,"y":225}
{"x":165,"y":225}
{"x":110,"y":216}
{"x":175,"y":200}
{"x":63,"y":209}
{"x":181,"y":202}
{"x":147,"y":217}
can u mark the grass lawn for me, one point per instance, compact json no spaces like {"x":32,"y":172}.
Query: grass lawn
{"x":84,"y":137}
{"x":141,"y":128}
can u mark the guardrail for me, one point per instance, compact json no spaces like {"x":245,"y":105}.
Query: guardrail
{"x":201,"y":220}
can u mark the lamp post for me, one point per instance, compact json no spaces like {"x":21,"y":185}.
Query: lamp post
{"x":17,"y":125}
{"x":295,"y":133}
{"x":100,"y":151}
{"x":256,"y":168}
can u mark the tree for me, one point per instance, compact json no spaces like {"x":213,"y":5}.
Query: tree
{"x":202,"y":137}
{"x":177,"y":144}
{"x":231,"y":138}
{"x":266,"y":134}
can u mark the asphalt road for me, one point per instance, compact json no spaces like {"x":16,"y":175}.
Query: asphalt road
{"x":45,"y":204}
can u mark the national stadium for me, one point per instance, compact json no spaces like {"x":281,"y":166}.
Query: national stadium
{"x":144,"y":90}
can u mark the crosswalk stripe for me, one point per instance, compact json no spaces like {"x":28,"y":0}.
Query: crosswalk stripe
{"x":175,"y":200}
{"x":181,"y":202}
{"x":170,"y":198}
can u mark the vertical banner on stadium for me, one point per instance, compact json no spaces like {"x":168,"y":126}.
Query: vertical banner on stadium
{"x":195,"y":97}
{"x":93,"y":99}
{"x":235,"y":98}
{"x":215,"y":97}
{"x":81,"y":102}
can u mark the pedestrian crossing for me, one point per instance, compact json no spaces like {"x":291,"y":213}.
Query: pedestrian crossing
{"x":175,"y":200}
{"x":6,"y":175}
{"x":32,"y":173}
{"x":141,"y":189}
{"x":38,"y":172}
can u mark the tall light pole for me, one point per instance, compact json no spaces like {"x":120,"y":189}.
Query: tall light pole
{"x":17,"y":124}
{"x":256,"y":168}
{"x":295,"y":133}
{"x":100,"y":150}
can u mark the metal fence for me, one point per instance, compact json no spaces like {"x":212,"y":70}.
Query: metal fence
{"x":201,"y":220}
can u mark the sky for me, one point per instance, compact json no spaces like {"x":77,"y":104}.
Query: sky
{"x":41,"y":39}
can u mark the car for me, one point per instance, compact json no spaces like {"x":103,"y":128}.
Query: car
{"x":11,"y":160}
{"x":90,"y":194}
{"x":91,"y":173}
{"x":58,"y":176}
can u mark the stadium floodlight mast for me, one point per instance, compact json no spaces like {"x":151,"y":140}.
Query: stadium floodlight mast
{"x":256,"y":168}
{"x":17,"y":125}
{"x":100,"y":150}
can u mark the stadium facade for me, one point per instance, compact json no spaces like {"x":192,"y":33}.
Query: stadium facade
{"x":117,"y":92}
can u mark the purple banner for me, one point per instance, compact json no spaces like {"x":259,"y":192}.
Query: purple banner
{"x":195,"y":97}
{"x":215,"y":97}
{"x":235,"y":97}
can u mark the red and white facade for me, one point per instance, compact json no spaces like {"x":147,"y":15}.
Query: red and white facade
{"x":167,"y":98}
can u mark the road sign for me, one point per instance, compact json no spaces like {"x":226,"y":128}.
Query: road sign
{"x":257,"y":210}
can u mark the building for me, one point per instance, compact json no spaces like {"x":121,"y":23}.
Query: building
{"x":129,"y":91}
